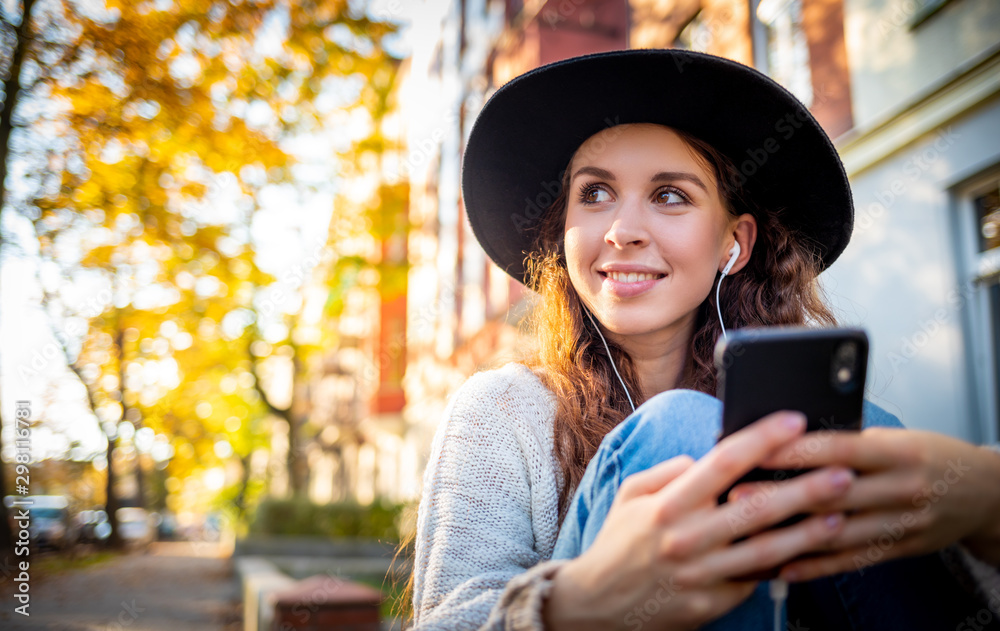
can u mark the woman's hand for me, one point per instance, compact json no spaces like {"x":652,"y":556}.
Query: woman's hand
{"x":916,"y":492}
{"x":664,"y":554}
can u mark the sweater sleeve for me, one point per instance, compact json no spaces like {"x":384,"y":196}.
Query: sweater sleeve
{"x":483,"y":502}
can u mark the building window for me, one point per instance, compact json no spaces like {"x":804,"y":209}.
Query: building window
{"x":988,"y":219}
{"x":787,"y":50}
{"x":979,"y":240}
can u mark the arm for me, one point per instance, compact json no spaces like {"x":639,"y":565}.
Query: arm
{"x":484,"y":504}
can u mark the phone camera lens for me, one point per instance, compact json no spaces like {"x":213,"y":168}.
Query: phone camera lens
{"x":844,"y":366}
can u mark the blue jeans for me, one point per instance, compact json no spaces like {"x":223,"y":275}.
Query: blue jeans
{"x":915,"y":593}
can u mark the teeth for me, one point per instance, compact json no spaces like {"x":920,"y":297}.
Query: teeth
{"x":631,"y":277}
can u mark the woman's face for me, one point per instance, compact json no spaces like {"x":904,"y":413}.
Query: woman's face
{"x":646,"y":231}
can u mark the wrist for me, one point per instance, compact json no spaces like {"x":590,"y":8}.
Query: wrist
{"x":565,"y":606}
{"x":984,"y":543}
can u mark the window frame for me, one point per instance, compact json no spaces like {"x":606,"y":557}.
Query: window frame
{"x":983,"y":350}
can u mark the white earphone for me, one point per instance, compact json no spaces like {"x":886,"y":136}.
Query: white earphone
{"x":734,"y":254}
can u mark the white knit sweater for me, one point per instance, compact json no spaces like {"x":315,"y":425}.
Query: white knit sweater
{"x":489,"y":509}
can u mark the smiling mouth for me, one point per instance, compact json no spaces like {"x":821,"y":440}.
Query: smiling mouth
{"x":631,"y":277}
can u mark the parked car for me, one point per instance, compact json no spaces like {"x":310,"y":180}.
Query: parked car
{"x":135,"y":526}
{"x":93,"y":526}
{"x":166,"y":526}
{"x":50,"y":524}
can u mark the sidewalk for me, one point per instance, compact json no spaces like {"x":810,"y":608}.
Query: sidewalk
{"x":171,"y":586}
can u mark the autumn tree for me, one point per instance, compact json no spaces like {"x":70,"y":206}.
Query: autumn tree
{"x":161,"y":125}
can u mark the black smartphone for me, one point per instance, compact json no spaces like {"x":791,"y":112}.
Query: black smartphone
{"x":817,"y":371}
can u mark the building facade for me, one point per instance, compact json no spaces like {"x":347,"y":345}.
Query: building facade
{"x":910,"y":93}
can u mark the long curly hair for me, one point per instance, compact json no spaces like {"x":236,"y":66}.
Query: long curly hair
{"x":777,"y":287}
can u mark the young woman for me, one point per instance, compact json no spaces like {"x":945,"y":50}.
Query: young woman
{"x":578,"y":489}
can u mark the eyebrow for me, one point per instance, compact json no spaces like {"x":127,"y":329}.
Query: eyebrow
{"x":662,"y":176}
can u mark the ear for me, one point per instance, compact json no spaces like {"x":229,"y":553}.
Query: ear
{"x":744,"y":231}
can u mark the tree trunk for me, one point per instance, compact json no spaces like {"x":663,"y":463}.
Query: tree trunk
{"x":111,"y":503}
{"x":298,"y":469}
{"x":12,"y":92}
{"x":140,"y":496}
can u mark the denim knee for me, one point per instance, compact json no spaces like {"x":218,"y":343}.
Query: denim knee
{"x":670,"y":424}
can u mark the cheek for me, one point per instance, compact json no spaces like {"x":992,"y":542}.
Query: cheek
{"x":696,"y":245}
{"x":577,"y":250}
{"x":580,"y":255}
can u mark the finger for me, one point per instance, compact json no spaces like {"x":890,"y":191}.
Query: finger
{"x":883,"y":529}
{"x":868,"y":450}
{"x":745,"y":489}
{"x":654,"y":478}
{"x":853,"y":560}
{"x":884,"y":490}
{"x":772,"y":503}
{"x":727,"y":461}
{"x":762,"y":552}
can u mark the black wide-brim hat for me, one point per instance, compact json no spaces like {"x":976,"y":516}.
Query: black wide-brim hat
{"x":530,"y":128}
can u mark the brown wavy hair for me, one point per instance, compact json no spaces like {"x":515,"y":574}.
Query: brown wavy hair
{"x":776,"y":287}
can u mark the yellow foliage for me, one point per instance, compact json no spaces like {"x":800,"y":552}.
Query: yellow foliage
{"x":148,"y":103}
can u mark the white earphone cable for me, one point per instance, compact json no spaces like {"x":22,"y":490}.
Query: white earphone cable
{"x":718,"y":308}
{"x":610,"y":358}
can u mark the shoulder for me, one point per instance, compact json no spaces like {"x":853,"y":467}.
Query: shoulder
{"x":875,"y":416}
{"x":508,"y":380}
{"x":505,"y":406}
{"x":510,"y":395}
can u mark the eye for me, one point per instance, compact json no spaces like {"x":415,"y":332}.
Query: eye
{"x":594,"y":194}
{"x":670,"y":196}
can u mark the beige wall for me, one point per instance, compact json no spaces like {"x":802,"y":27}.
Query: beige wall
{"x":891,"y":62}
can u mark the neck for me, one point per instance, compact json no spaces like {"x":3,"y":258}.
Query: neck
{"x":659,"y":364}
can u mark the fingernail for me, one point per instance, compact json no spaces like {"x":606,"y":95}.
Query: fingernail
{"x":794,"y":421}
{"x":834,"y":521}
{"x":840,"y":479}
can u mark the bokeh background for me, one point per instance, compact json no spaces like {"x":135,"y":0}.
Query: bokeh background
{"x":238,"y":286}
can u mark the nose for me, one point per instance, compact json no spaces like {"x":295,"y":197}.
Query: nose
{"x":627,"y":227}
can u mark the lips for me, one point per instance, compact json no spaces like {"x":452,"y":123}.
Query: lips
{"x":628,"y":284}
{"x":631,"y":277}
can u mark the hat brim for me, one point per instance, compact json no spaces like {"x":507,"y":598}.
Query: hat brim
{"x":526,"y":134}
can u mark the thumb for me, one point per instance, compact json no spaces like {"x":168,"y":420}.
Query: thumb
{"x":655,"y":478}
